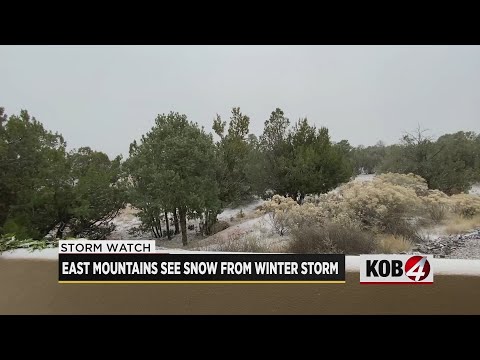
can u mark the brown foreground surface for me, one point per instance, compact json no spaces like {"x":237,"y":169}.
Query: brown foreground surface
{"x":31,"y":287}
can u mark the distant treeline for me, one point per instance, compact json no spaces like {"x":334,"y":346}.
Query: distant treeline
{"x":177,"y":171}
{"x":450,"y":163}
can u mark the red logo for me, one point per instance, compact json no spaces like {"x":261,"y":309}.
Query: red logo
{"x":417,"y":268}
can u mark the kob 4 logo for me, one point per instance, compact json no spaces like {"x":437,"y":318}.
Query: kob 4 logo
{"x":396,"y":269}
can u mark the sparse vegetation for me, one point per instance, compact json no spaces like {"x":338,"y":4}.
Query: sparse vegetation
{"x":332,"y":237}
{"x":391,"y":244}
{"x":10,"y":242}
{"x":249,"y":243}
{"x":391,"y":208}
{"x":219,"y":226}
{"x":465,"y":205}
{"x":437,"y":205}
{"x":459,"y":224}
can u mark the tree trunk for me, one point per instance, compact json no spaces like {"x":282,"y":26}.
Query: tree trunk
{"x":167,"y":225}
{"x":152,"y":224}
{"x":175,"y":220}
{"x":205,"y":225}
{"x":159,"y":226}
{"x":182,"y":212}
{"x":60,"y":229}
{"x":210,"y":220}
{"x":302,"y":197}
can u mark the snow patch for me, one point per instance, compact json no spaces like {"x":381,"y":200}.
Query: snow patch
{"x":364,"y":177}
{"x":45,"y":254}
{"x":228,"y":213}
{"x":475,"y":190}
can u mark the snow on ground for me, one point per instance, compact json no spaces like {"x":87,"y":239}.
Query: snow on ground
{"x":352,"y":263}
{"x":470,"y":248}
{"x":364,"y":177}
{"x":433,"y":232}
{"x":259,"y":230}
{"x":45,"y":254}
{"x":125,"y":221}
{"x":252,"y":225}
{"x":475,"y":190}
{"x":358,"y":178}
{"x":229,"y":213}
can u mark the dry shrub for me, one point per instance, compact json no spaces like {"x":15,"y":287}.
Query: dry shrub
{"x":332,"y":238}
{"x":249,"y":243}
{"x":437,"y":213}
{"x":279,"y":213}
{"x":219,"y":226}
{"x":377,"y":206}
{"x":465,"y":205}
{"x":394,"y":204}
{"x":437,"y":204}
{"x":240,"y":214}
{"x":458,"y":224}
{"x":392,"y":244}
{"x":284,"y":214}
{"x":411,"y":181}
{"x":382,"y":207}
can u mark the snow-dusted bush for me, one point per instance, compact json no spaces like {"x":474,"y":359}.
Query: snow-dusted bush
{"x":279,"y":210}
{"x":382,"y":206}
{"x":10,"y":242}
{"x":389,"y":204}
{"x":410,"y":181}
{"x":284,"y":214}
{"x":379,"y":206}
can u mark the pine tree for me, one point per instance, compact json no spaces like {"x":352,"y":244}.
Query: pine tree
{"x":232,"y":156}
{"x":42,"y":187}
{"x":174,"y":167}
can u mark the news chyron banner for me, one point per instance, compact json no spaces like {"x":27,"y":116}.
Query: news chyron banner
{"x":128,"y":261}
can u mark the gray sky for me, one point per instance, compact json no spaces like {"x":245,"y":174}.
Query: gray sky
{"x":107,"y":96}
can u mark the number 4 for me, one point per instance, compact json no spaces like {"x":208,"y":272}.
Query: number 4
{"x":417,"y":269}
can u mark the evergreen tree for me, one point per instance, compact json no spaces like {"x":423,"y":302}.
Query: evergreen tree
{"x":232,"y":154}
{"x":174,"y":167}
{"x":277,"y":156}
{"x":318,"y":166}
{"x":31,"y":164}
{"x":97,"y":194}
{"x":42,"y":187}
{"x":449,"y":164}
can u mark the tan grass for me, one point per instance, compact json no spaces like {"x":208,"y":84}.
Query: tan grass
{"x":390,"y":244}
{"x":458,"y":224}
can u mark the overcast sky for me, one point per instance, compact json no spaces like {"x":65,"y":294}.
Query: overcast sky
{"x":107,"y":96}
